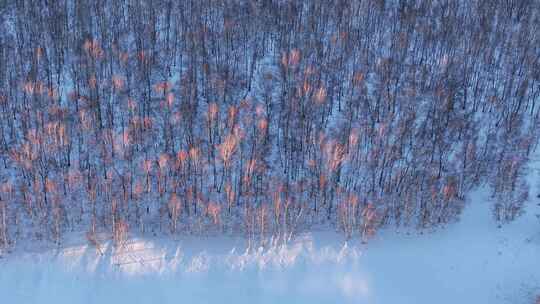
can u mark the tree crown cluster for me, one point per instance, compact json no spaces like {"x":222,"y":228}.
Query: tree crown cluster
{"x":261,"y":117}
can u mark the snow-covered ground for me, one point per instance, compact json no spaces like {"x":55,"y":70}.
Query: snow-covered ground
{"x":471,"y":261}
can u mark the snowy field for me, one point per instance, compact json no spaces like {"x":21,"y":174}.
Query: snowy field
{"x":471,"y":261}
